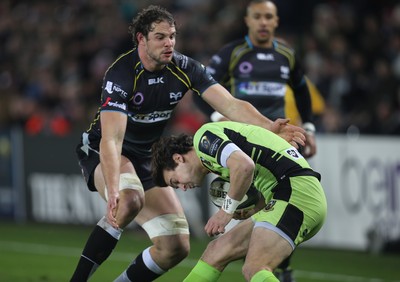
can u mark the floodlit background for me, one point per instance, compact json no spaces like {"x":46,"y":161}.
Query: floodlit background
{"x":53,"y":55}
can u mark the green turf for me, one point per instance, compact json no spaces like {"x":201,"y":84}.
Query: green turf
{"x":50,"y":252}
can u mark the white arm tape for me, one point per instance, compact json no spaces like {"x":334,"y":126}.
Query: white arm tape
{"x":230,"y":205}
{"x":227,"y":151}
{"x":309,"y":128}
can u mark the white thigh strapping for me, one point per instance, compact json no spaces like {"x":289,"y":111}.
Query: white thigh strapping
{"x":128,"y":181}
{"x":166,"y":224}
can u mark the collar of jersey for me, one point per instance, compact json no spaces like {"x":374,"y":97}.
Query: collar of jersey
{"x":251,"y":44}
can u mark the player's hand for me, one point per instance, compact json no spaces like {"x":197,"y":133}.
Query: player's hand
{"x":112,"y":206}
{"x":295,"y":135}
{"x":216,"y":224}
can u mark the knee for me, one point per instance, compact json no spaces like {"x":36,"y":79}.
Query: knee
{"x":178,"y":249}
{"x":133,"y":202}
{"x":172,"y":250}
{"x":229,"y":245}
{"x":222,"y":251}
{"x":129,"y":205}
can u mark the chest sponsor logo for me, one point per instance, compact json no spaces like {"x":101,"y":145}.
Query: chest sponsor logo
{"x":153,"y":117}
{"x":265,"y":57}
{"x":262,"y":88}
{"x":175,"y":97}
{"x":112,"y":87}
{"x":156,"y":80}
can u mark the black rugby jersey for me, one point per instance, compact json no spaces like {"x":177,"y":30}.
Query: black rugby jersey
{"x":148,"y":98}
{"x":260,"y":76}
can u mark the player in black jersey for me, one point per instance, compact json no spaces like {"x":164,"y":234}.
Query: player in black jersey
{"x":258,"y":69}
{"x":140,"y":90}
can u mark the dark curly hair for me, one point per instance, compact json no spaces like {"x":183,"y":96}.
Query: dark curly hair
{"x":144,"y":20}
{"x":162,"y":152}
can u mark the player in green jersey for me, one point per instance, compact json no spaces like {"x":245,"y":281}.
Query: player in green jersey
{"x":295,"y":204}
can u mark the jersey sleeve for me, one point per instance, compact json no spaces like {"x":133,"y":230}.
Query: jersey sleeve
{"x":297,"y":75}
{"x":199,"y":79}
{"x":219,"y":64}
{"x":218,"y":68}
{"x":213,"y":146}
{"x":115,"y":91}
{"x":301,"y":91}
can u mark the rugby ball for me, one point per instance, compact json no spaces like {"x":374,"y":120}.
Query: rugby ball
{"x":219,"y":189}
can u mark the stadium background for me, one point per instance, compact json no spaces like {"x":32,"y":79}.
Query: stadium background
{"x":53,"y":55}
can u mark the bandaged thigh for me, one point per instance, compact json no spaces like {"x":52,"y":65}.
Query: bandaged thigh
{"x":128,"y":181}
{"x":166,"y":224}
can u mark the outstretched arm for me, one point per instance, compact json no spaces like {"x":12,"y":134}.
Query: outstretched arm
{"x":302,"y":97}
{"x":238,"y":110}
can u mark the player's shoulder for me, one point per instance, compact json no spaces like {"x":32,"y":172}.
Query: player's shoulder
{"x":184,"y":62}
{"x":120,"y":73}
{"x":124,"y":61}
{"x":221,"y":126}
{"x":234,"y":45}
{"x":282,"y":45}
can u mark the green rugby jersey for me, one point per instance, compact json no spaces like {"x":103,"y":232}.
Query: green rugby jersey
{"x":274,"y":157}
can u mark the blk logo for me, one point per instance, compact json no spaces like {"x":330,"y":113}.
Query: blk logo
{"x":156,"y":80}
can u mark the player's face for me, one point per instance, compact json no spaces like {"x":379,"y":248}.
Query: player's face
{"x":160,"y":43}
{"x":262,"y":20}
{"x":185,"y":176}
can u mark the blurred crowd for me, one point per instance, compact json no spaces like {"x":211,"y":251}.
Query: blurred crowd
{"x":53,"y":55}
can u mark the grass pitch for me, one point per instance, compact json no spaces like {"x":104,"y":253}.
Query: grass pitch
{"x":39,"y":252}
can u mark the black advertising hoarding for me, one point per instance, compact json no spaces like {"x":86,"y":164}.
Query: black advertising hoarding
{"x":8,"y":187}
{"x":55,"y":189}
{"x":49,"y":186}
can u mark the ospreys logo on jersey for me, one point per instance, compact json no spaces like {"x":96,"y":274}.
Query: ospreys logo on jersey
{"x":285,"y":72}
{"x":175,"y":97}
{"x":209,"y":143}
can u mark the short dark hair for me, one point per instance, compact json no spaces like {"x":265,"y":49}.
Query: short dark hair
{"x":162,"y":152}
{"x":144,"y":20}
{"x":251,"y":2}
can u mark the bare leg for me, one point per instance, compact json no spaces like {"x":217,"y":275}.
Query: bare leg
{"x":163,"y":219}
{"x":230,"y":246}
{"x":104,"y":237}
{"x":220,"y":252}
{"x":267,"y":250}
